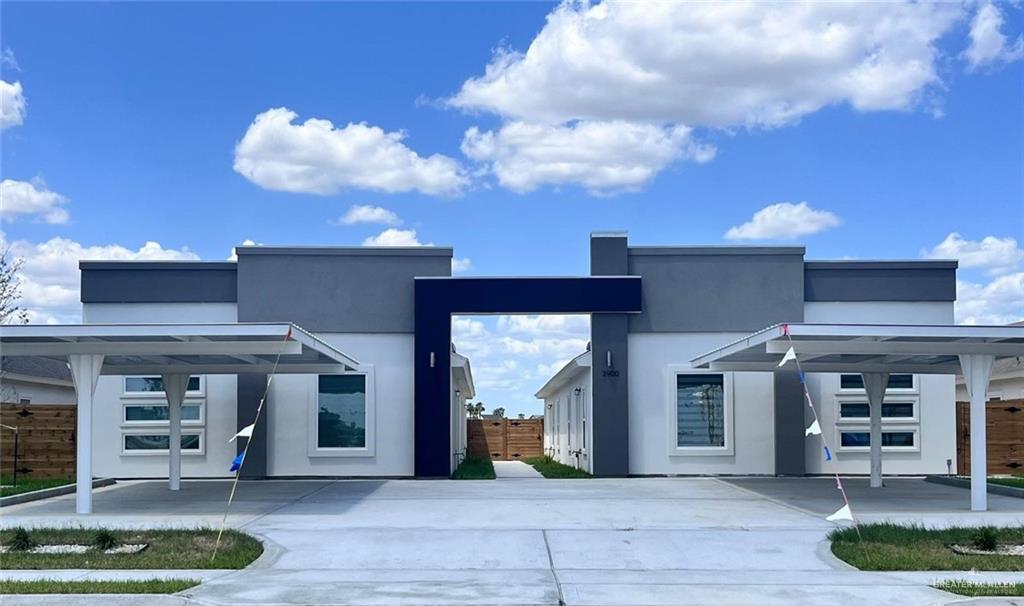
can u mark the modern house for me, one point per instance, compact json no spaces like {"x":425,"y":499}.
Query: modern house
{"x":685,"y":421}
{"x":393,"y":403}
{"x":35,"y":380}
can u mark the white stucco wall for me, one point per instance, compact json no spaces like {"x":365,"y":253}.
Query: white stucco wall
{"x":563,"y":428}
{"x":936,"y":441}
{"x":219,"y":399}
{"x":652,"y":403}
{"x":293,"y":401}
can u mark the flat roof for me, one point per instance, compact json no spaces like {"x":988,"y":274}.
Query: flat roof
{"x":902,"y":348}
{"x":223,"y":348}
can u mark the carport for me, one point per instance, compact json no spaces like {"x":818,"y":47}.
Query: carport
{"x":876,"y":350}
{"x":174,"y":352}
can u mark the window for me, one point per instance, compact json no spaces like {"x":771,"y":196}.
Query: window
{"x":890,"y":439}
{"x":158,"y":413}
{"x":896,"y":381}
{"x":25,"y":401}
{"x":157,"y":443}
{"x":890,"y":410}
{"x":342,"y":412}
{"x":155,"y":385}
{"x":700,"y":411}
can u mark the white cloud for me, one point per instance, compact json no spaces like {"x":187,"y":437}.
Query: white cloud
{"x":784,"y":221}
{"x":19,"y":198}
{"x":365,"y":213}
{"x":461,"y":265}
{"x":247,"y":242}
{"x":50,"y":279}
{"x":988,"y":42}
{"x":600,"y":156}
{"x":1001,"y":301}
{"x":315,"y":157}
{"x":995,"y":255}
{"x":395,"y":237}
{"x":575,"y":326}
{"x":715,"y":64}
{"x":12,"y":104}
{"x":8,"y":59}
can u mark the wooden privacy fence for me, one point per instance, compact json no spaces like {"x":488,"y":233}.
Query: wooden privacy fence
{"x":1004,"y":428}
{"x":46,"y":440}
{"x":505,"y":439}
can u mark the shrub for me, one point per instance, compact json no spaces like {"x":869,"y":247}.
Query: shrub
{"x":985,"y":539}
{"x":104,"y":540}
{"x":21,"y":540}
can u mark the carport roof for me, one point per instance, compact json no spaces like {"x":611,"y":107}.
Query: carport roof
{"x":891,"y":348}
{"x":129,"y":349}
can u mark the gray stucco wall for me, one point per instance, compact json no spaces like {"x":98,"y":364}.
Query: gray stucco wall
{"x":352,"y":290}
{"x":790,"y":440}
{"x":717,"y":289}
{"x":880,"y":281}
{"x":158,"y":282}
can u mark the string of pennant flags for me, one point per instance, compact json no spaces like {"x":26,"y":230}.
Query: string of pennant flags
{"x":246,"y":432}
{"x":814,"y":429}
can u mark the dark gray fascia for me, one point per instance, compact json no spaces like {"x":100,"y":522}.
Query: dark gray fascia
{"x":715,"y":250}
{"x":852,"y":281}
{"x":158,"y":282}
{"x":350,"y":251}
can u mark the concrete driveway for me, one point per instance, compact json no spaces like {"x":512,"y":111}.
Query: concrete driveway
{"x":534,"y":541}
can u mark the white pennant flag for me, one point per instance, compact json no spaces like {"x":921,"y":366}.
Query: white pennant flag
{"x":790,"y":355}
{"x":245,"y":432}
{"x":813,"y":430}
{"x":844,"y":513}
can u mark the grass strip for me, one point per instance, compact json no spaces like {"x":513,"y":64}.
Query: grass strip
{"x":168,"y":549}
{"x":54,"y":586}
{"x":30,"y":484}
{"x":550,"y":468}
{"x":474,"y":469}
{"x":889,"y":546}
{"x":1014,"y":482}
{"x":974,"y":590}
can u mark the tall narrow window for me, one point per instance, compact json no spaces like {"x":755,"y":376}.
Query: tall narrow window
{"x":341,"y":411}
{"x":700,"y":410}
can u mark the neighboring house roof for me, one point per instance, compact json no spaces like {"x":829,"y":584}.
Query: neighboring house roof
{"x":29,"y":368}
{"x":567,"y":373}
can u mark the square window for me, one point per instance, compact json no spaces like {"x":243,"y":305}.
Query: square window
{"x":341,"y":411}
{"x":700,"y":410}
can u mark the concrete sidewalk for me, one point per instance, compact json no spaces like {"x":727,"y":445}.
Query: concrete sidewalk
{"x":610,"y":542}
{"x":516,"y":470}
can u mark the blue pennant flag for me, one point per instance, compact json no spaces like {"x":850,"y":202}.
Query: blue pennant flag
{"x":803,"y":379}
{"x":237,"y":463}
{"x":828,"y":454}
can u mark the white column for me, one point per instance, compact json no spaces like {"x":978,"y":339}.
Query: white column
{"x":175,"y":386}
{"x":977,"y":368}
{"x":875,"y":384}
{"x":85,"y":371}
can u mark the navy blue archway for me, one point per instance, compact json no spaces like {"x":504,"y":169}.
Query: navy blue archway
{"x":610,"y":297}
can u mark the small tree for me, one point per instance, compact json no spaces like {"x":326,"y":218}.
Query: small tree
{"x":11,"y":312}
{"x":522,"y":416}
{"x":499,"y":412}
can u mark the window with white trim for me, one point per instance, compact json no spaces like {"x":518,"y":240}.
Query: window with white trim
{"x":895,"y":439}
{"x":860,"y":410}
{"x":342,"y":420}
{"x":144,"y":412}
{"x":700,"y":412}
{"x":153,"y":386}
{"x":154,"y":443}
{"x":901,"y":382}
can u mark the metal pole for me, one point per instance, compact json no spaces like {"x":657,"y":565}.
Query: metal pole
{"x":15,"y":475}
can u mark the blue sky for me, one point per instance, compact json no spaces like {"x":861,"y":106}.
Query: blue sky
{"x":136,"y":123}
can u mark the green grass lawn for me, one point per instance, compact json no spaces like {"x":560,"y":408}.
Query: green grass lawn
{"x":474,"y":469}
{"x":550,"y":468}
{"x":29,"y":484}
{"x":982,"y":589}
{"x":1015,"y":482}
{"x":51,"y":586}
{"x":898,"y":547}
{"x":167,"y":549}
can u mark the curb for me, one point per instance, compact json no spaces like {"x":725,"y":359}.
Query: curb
{"x":1006,"y":491}
{"x":46,"y":493}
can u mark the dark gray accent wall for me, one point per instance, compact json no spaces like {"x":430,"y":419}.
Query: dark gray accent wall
{"x":717,"y":289}
{"x":609,"y":334}
{"x":158,"y":282}
{"x":789,"y":425}
{"x":354,"y":290}
{"x":251,"y":388}
{"x":880,"y":280}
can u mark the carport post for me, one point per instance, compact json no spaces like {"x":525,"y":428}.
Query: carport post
{"x":175,"y":386}
{"x":875,"y":384}
{"x":85,"y":371}
{"x":977,"y":369}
